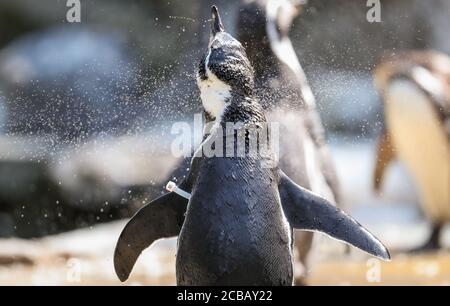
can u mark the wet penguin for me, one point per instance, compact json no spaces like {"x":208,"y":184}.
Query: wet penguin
{"x":415,"y":87}
{"x":263,"y":29}
{"x":241,"y":209}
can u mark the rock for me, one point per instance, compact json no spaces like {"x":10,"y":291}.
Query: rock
{"x":83,"y":257}
{"x":46,"y":190}
{"x":169,"y":24}
{"x":71,"y":83}
{"x":125,"y":171}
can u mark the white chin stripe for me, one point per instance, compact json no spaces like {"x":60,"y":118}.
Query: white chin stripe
{"x":213,"y":92}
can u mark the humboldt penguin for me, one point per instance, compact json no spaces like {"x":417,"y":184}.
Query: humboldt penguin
{"x":415,"y":88}
{"x":263,"y":29}
{"x":241,"y":208}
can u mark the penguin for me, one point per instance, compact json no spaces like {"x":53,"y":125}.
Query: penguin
{"x":415,"y":89}
{"x":241,"y":211}
{"x":263,"y":28}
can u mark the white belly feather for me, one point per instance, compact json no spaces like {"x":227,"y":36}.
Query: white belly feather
{"x":422,"y":144}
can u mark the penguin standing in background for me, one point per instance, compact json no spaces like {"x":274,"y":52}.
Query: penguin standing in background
{"x":415,"y":87}
{"x":241,"y":208}
{"x":263,"y":28}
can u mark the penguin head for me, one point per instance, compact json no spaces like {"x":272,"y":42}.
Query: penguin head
{"x":224,"y":71}
{"x":282,"y":13}
{"x":257,"y":17}
{"x":263,"y":24}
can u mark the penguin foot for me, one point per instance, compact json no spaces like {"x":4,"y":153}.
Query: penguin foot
{"x":300,"y":281}
{"x":432,"y":244}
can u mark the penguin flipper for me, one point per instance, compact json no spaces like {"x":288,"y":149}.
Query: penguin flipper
{"x":307,"y":211}
{"x":162,"y":218}
{"x":385,"y":154}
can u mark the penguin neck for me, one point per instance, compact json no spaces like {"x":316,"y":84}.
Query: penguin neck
{"x":242,"y":109}
{"x":278,"y":39}
{"x":260,"y":53}
{"x":283,"y":50}
{"x":223,"y":104}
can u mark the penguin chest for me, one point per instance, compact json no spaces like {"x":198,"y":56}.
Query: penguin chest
{"x":235,"y":232}
{"x":422,"y":144}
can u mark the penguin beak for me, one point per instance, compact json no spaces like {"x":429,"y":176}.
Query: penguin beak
{"x":216,"y":22}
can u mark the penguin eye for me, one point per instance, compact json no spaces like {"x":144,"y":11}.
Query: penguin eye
{"x":202,"y":69}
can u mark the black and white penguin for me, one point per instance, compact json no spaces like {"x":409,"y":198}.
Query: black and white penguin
{"x":241,"y":209}
{"x":263,"y":29}
{"x":415,"y":87}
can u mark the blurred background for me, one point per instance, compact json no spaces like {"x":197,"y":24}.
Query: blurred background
{"x":85,"y":116}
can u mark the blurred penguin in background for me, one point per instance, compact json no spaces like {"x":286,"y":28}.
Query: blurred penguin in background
{"x":263,"y":28}
{"x":415,"y":88}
